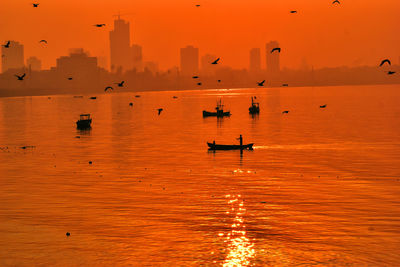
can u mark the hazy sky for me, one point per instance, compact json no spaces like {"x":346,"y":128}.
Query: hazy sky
{"x":357,"y":32}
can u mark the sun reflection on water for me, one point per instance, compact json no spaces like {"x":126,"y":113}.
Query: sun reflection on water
{"x":240,"y":248}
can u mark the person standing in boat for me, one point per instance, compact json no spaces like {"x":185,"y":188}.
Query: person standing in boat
{"x":240,"y":140}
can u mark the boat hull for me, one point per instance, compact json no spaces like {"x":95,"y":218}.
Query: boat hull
{"x":216,"y":114}
{"x":213,"y":146}
{"x":254,"y":110}
{"x":83,"y":124}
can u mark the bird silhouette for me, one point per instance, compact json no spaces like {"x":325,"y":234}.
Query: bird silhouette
{"x":108,"y":88}
{"x":7,"y":45}
{"x":391,"y":72}
{"x":121,"y":84}
{"x":67,"y":233}
{"x":285,"y":84}
{"x":43,"y":41}
{"x":137,"y":95}
{"x":285,"y":111}
{"x":336,"y":2}
{"x":35,"y":4}
{"x":219,"y":81}
{"x":385,"y":61}
{"x":195,"y":77}
{"x":293,"y":11}
{"x":174,"y":97}
{"x":198,"y":83}
{"x":131,"y":104}
{"x":159,"y":110}
{"x":69,"y":78}
{"x":197,"y":5}
{"x":215,"y":62}
{"x":276,"y":49}
{"x":20,"y":78}
{"x":99,"y":25}
{"x":323,"y":106}
{"x":261,"y":83}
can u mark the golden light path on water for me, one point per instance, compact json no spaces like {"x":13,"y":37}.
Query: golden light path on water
{"x":240,"y":248}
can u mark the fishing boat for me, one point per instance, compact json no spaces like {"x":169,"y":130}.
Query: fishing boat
{"x":255,"y":108}
{"x":218,"y":113}
{"x":84,"y":121}
{"x":213,"y":146}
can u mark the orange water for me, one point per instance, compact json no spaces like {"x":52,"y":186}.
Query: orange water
{"x":321,"y":186}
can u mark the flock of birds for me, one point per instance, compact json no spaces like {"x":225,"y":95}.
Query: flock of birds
{"x":215,"y":62}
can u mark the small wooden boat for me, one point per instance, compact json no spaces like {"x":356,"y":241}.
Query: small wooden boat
{"x":255,"y":108}
{"x":218,"y":113}
{"x":84,"y":121}
{"x":213,"y":146}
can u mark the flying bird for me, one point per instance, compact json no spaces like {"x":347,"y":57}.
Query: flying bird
{"x":391,"y":72}
{"x":195,"y":77}
{"x":107,"y":88}
{"x":219,"y":81}
{"x":99,"y":25}
{"x":20,"y":78}
{"x":198,"y":83}
{"x":121,"y":84}
{"x":285,"y":112}
{"x":131,"y":104}
{"x":215,"y":62}
{"x":35,"y":4}
{"x":261,"y":83}
{"x":276,"y":49}
{"x":336,"y":2}
{"x":197,"y":5}
{"x":69,"y":78}
{"x":323,"y":106}
{"x":293,"y":11}
{"x":385,"y":61}
{"x":159,"y":110}
{"x":43,"y":41}
{"x":7,"y":45}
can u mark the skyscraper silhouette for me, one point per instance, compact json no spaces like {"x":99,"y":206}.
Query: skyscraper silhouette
{"x":120,"y":51}
{"x":255,"y":60}
{"x":137,"y":57}
{"x":189,"y":60}
{"x":12,"y":57}
{"x":273,"y":64}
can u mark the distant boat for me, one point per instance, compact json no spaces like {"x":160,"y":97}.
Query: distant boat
{"x":255,"y":108}
{"x":213,"y":146}
{"x":84,"y":121}
{"x":218,"y":113}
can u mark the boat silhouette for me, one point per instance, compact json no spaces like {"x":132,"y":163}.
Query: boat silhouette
{"x":218,"y":113}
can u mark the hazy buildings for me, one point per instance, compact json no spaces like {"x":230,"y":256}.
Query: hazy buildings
{"x":123,"y":56}
{"x":272,"y":59}
{"x":206,"y":67}
{"x":33,"y":63}
{"x":189,"y":60}
{"x":78,"y":64}
{"x":255,"y":60}
{"x":12,"y":57}
{"x":137,"y":57}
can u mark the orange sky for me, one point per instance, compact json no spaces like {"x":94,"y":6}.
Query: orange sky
{"x":357,"y":32}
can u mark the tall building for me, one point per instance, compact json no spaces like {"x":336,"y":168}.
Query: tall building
{"x":12,"y":57}
{"x":137,"y":57}
{"x":206,"y":67}
{"x":273,"y":64}
{"x":189,"y":60}
{"x":120,"y":50}
{"x":33,"y":63}
{"x":255,"y":60}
